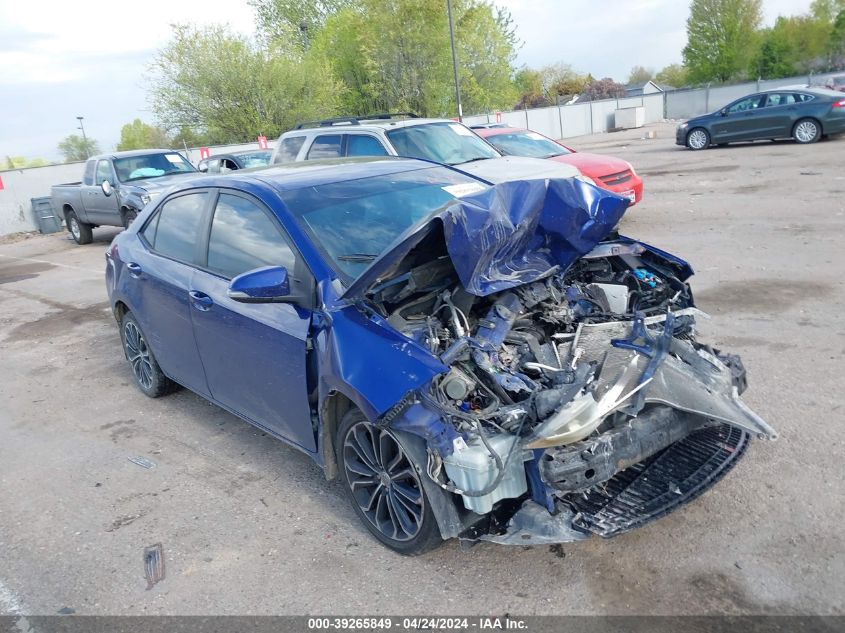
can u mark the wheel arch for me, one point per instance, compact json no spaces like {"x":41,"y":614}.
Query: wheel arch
{"x":332,"y":409}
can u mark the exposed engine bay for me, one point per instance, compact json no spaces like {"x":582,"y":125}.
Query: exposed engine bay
{"x":557,"y":386}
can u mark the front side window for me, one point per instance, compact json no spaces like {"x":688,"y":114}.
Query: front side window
{"x":364,"y":145}
{"x":449,"y":143}
{"x":103,"y":172}
{"x":244,"y":237}
{"x":749,"y":103}
{"x":175,"y":229}
{"x":326,"y":146}
{"x":289,"y":149}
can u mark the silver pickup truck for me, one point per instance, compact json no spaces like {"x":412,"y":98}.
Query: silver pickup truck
{"x":115,"y":187}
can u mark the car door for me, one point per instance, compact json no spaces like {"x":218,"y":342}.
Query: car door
{"x":254,"y":354}
{"x":160,"y":299}
{"x":99,"y":207}
{"x":739,"y":120}
{"x":778,"y":115}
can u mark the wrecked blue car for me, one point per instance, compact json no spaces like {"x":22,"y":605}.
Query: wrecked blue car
{"x":473,"y":361}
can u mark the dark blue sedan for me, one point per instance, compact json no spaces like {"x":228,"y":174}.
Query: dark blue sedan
{"x":474,"y":361}
{"x":805,"y":114}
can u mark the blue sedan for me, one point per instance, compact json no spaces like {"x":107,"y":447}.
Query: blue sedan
{"x":488,"y":362}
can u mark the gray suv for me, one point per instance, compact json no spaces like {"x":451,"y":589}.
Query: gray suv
{"x":439,"y":140}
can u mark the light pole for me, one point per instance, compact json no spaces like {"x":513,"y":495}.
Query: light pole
{"x":84,"y":138}
{"x":454,"y":61}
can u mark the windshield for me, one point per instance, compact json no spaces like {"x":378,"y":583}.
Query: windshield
{"x":150,"y":166}
{"x":255,"y":159}
{"x":528,"y":144}
{"x":355,"y":221}
{"x":448,"y":143}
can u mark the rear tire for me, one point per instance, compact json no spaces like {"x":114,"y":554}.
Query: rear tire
{"x":81,"y":232}
{"x":384,"y":487}
{"x":806,"y":131}
{"x":698,"y":139}
{"x":145,"y":369}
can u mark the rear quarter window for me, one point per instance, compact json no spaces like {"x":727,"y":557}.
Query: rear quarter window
{"x":289,"y":149}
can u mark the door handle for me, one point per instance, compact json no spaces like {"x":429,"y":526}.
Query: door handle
{"x":200,"y":300}
{"x":134,"y":269}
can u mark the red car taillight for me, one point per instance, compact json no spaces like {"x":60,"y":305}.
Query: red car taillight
{"x":839,"y":104}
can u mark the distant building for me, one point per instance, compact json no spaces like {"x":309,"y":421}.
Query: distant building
{"x":648,"y":88}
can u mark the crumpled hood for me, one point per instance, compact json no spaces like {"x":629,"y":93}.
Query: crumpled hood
{"x":510,"y":234}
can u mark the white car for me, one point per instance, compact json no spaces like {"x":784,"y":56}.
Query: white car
{"x":438,"y":140}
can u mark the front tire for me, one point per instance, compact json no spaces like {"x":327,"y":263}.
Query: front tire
{"x":145,"y":369}
{"x":807,"y":131}
{"x":81,"y":232}
{"x":384,"y":487}
{"x":698,"y":139}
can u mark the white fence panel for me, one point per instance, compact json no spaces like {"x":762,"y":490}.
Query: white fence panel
{"x":545,"y":121}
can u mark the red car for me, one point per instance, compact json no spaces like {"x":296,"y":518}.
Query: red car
{"x":609,"y":172}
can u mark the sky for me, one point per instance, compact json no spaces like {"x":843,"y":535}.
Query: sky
{"x":61,"y":60}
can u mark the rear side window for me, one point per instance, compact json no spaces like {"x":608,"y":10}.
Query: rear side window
{"x":800,"y":97}
{"x":244,"y":237}
{"x":175,"y":229}
{"x":88,"y":178}
{"x":289,"y":149}
{"x":326,"y":146}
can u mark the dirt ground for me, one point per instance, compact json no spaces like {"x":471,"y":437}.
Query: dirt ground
{"x":249,"y":526}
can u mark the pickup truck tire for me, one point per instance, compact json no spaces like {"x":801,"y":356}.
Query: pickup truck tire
{"x":129,"y":216}
{"x":145,"y":369}
{"x":81,"y":232}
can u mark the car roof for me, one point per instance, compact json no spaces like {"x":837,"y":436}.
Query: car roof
{"x":134,"y":152}
{"x":290,"y":176}
{"x":366,"y":125}
{"x":496,"y":131}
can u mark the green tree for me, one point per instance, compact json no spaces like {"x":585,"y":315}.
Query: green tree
{"x":837,"y":41}
{"x":75,"y":148}
{"x":529,"y":86}
{"x":19,"y":162}
{"x":294,"y":21}
{"x":776,"y":56}
{"x":640,"y":75}
{"x":721,"y":38}
{"x":396,"y":56}
{"x":561,"y":80}
{"x":674,"y":75}
{"x":229,"y":89}
{"x":826,"y":10}
{"x":140,"y":135}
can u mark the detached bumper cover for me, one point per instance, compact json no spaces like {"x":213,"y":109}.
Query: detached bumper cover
{"x":632,"y":498}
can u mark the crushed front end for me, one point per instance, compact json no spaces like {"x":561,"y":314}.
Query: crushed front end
{"x":577,"y":399}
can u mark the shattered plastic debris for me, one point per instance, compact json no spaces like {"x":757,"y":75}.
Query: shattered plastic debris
{"x":153,"y":564}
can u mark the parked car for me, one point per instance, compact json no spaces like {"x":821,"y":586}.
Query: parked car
{"x":804,"y":115}
{"x":439,"y":140}
{"x":223,"y":163}
{"x":614,"y":174}
{"x":472,"y":361}
{"x":115,"y":187}
{"x":837,"y":82}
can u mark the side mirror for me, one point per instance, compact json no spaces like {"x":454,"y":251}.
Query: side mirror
{"x":262,"y":285}
{"x":106,"y":186}
{"x":723,"y":112}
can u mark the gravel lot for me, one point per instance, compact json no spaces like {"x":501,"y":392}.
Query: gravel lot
{"x":249,"y":526}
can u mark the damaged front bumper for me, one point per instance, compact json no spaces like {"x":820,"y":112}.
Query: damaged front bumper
{"x":682,"y":426}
